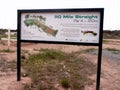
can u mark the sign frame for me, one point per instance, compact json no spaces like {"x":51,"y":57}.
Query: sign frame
{"x":99,"y":44}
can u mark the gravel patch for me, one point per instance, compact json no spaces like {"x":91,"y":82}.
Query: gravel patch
{"x":108,"y":54}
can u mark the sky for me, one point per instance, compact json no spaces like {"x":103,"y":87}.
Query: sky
{"x":8,"y":10}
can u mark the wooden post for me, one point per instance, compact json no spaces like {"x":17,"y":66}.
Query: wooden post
{"x":8,"y":38}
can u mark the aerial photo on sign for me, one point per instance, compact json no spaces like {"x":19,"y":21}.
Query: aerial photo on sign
{"x":64,"y":27}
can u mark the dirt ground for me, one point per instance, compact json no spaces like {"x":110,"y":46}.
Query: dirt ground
{"x":110,"y":76}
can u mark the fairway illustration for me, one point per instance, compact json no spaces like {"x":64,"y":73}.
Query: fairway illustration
{"x":40,"y":24}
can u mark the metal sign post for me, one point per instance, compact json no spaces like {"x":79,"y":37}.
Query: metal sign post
{"x":61,"y":26}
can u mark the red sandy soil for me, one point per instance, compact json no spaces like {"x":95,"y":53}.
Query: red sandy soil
{"x":110,"y":77}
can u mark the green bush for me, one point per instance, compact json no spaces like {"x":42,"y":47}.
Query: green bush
{"x":7,"y":50}
{"x":65,"y":83}
{"x":40,"y":87}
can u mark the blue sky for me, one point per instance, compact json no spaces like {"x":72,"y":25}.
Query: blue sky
{"x":8,"y":8}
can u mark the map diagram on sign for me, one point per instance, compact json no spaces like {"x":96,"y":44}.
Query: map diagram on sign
{"x":40,"y":24}
{"x":64,"y":27}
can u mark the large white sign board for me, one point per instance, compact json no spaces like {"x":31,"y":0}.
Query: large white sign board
{"x":61,"y":26}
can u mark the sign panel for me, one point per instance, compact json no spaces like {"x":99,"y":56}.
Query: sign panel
{"x":80,"y":27}
{"x":61,"y":26}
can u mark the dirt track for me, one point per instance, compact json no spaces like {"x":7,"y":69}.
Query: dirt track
{"x":110,"y":79}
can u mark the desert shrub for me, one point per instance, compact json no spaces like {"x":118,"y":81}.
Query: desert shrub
{"x":65,"y":83}
{"x":50,"y":66}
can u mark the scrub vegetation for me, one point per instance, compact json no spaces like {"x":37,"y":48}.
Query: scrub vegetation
{"x":107,"y":34}
{"x":7,"y":51}
{"x":113,"y":50}
{"x":52,"y":69}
